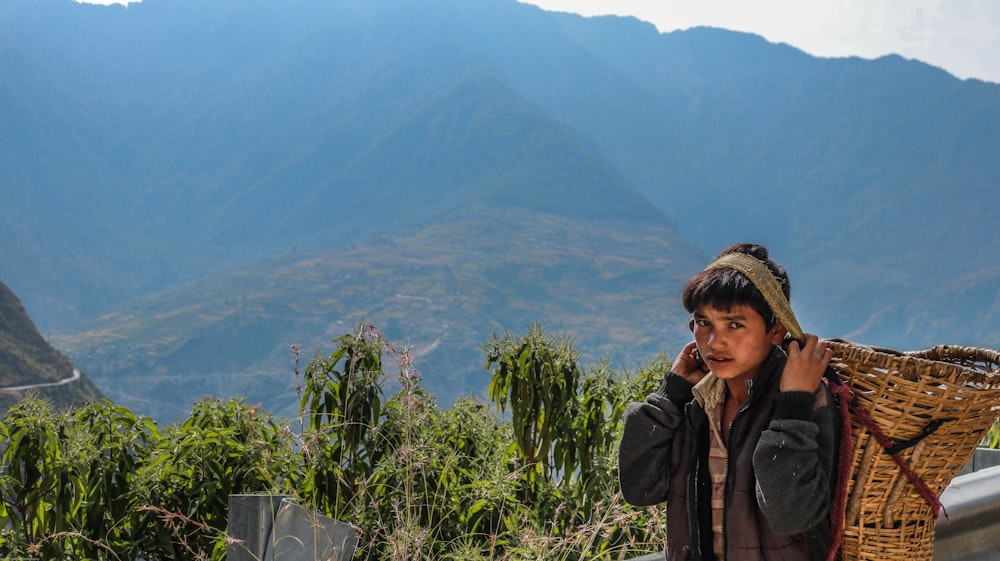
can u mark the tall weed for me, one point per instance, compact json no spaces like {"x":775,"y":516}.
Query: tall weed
{"x":530,"y":476}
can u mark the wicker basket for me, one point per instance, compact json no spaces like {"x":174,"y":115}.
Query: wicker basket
{"x":937,"y":404}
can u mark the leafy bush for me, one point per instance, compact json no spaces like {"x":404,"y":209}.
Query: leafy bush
{"x":992,"y":439}
{"x":530,"y":476}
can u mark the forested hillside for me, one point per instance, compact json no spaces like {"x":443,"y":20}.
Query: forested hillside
{"x":29,"y":364}
{"x":442,"y":291}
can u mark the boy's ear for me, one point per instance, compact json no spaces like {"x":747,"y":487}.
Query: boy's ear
{"x":778,"y":333}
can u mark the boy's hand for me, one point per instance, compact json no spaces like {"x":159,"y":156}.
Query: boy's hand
{"x":687,"y":364}
{"x":806,"y":365}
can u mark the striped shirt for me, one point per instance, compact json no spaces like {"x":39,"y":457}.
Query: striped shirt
{"x":711,"y":395}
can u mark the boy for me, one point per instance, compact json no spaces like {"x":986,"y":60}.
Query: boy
{"x":740,"y":439}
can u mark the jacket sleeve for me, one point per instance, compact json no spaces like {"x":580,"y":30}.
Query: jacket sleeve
{"x":795,"y":461}
{"x":645,"y":449}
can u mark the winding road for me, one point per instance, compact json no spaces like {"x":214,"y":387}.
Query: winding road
{"x":74,"y":377}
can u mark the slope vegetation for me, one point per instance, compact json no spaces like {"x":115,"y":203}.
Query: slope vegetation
{"x":29,"y":363}
{"x":441,"y":290}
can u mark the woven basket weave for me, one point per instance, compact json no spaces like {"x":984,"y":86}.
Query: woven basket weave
{"x":954,"y":387}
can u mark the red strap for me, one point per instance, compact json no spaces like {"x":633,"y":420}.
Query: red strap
{"x":839,"y":507}
{"x":887,"y":443}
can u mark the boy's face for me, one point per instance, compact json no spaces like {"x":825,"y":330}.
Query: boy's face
{"x":735,"y":342}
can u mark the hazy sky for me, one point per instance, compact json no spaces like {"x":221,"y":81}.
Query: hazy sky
{"x":960,"y":36}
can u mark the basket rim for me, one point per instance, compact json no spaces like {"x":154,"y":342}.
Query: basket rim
{"x":977,"y":362}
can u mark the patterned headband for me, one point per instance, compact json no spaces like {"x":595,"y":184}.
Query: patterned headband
{"x":761,"y":277}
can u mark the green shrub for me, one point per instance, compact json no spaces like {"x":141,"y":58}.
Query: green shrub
{"x":530,"y":476}
{"x":992,"y":438}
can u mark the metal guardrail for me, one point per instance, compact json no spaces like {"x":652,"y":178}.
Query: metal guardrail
{"x":970,"y":531}
{"x":275,"y":528}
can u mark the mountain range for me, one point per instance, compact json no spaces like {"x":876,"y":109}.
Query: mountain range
{"x":191,"y":186}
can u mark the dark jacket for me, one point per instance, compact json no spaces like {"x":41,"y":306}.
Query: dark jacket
{"x":780,"y":474}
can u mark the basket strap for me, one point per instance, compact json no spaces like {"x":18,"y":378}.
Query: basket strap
{"x":761,"y":277}
{"x":847,"y":397}
{"x":839,"y":507}
{"x":928,"y":430}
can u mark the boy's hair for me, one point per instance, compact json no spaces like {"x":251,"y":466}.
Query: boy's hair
{"x":722,"y":288}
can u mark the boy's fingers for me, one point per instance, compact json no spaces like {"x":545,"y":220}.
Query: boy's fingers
{"x":810,"y":342}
